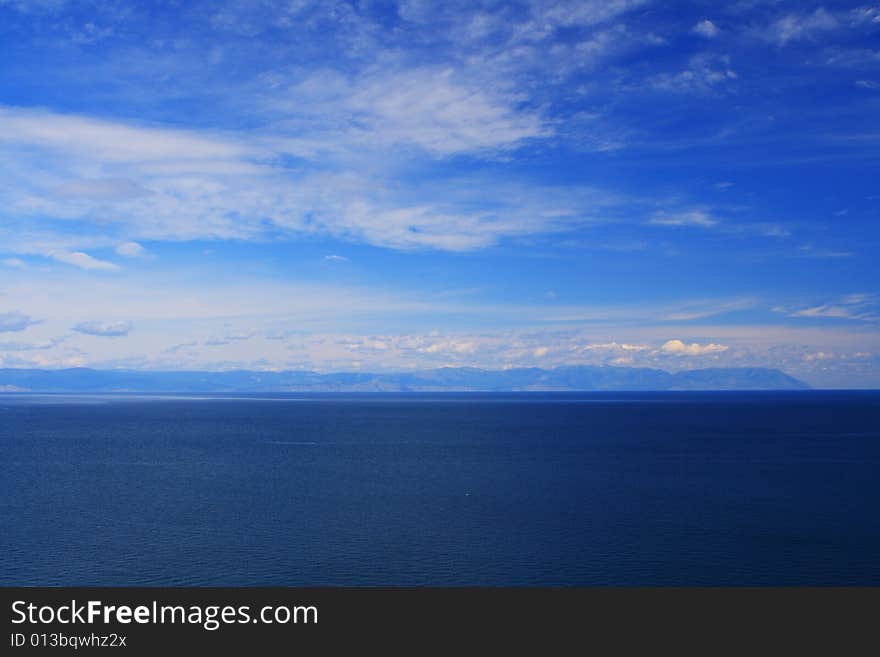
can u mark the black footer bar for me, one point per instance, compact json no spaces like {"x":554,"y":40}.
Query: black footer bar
{"x":544,"y":621}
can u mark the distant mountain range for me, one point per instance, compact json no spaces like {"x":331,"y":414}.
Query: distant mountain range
{"x":581,"y":377}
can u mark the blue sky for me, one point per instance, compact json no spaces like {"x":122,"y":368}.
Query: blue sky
{"x":399,"y":185}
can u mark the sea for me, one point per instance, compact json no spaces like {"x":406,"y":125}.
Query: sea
{"x":473,"y":489}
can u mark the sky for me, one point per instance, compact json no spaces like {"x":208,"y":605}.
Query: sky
{"x":390,"y":186}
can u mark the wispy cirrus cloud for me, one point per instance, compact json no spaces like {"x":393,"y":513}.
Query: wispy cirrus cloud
{"x":328,"y":149}
{"x":109,"y":141}
{"x":862,"y":307}
{"x":424,"y":108}
{"x":813,"y":25}
{"x":115,"y":329}
{"x":813,"y":251}
{"x":131,"y":250}
{"x":178,"y":186}
{"x":798,"y":26}
{"x":82,"y":260}
{"x":699,"y":218}
{"x":703,"y":309}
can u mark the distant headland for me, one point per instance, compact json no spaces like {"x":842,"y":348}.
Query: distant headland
{"x":461,"y":379}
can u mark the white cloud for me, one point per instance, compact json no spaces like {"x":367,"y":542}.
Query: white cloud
{"x":229,"y":338}
{"x":852,"y":57}
{"x":868,"y":84}
{"x":431,"y":110}
{"x":455,"y":346}
{"x":705,"y":74}
{"x":565,"y":13}
{"x":361,"y":215}
{"x":131,"y":250}
{"x":15,"y":263}
{"x":538,"y":20}
{"x":104,"y":189}
{"x":825,"y":310}
{"x":865,"y":14}
{"x":30,"y":346}
{"x":82,"y":260}
{"x":301,"y":326}
{"x":811,"y":251}
{"x":15,"y":322}
{"x":110,"y":141}
{"x":701,"y":310}
{"x":104,"y":329}
{"x":861,"y":307}
{"x":706,"y":28}
{"x":614,"y":346}
{"x":152,"y":184}
{"x":679,"y":348}
{"x":34,"y":6}
{"x":697,"y":218}
{"x":819,"y":355}
{"x":794,"y":27}
{"x":337,"y":258}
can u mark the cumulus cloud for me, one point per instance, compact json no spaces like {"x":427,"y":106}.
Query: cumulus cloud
{"x":104,"y":329}
{"x":453,"y":346}
{"x":706,"y":28}
{"x":83,"y":260}
{"x":679,"y":348}
{"x":15,"y":322}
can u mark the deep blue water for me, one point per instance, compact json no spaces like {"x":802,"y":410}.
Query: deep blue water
{"x":479,"y":489}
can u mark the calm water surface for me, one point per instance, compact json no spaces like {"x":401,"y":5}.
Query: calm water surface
{"x":480,"y":489}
